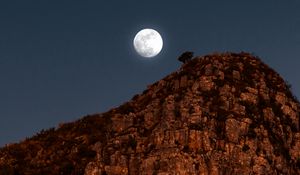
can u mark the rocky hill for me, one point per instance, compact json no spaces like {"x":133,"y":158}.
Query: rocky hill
{"x":218,"y":114}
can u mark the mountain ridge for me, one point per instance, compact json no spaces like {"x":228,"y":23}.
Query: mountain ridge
{"x":226,"y":113}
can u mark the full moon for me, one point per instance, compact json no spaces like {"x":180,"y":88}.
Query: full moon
{"x":148,"y":43}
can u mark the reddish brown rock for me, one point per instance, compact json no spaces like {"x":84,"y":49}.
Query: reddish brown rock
{"x":249,"y":97}
{"x":236,"y":75}
{"x":206,"y":83}
{"x":219,"y":114}
{"x":232,"y":130}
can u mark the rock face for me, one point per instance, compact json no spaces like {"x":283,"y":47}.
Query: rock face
{"x":219,"y":114}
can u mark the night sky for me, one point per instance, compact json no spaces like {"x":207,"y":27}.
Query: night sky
{"x":61,"y":60}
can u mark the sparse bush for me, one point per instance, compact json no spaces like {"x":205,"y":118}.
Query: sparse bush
{"x":288,"y":85}
{"x":185,"y":57}
{"x":198,"y":127}
{"x":83,"y":151}
{"x":245,"y":148}
{"x":186,"y":148}
{"x":177,"y":112}
{"x":219,"y":82}
{"x":286,"y":153}
{"x":135,"y":97}
{"x":66,"y":168}
{"x":251,"y":132}
{"x":126,"y":108}
{"x":201,"y":151}
{"x":132,"y":142}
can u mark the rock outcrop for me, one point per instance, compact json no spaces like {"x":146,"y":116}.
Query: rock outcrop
{"x":218,"y":114}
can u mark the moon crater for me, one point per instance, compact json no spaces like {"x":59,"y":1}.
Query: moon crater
{"x":148,"y":43}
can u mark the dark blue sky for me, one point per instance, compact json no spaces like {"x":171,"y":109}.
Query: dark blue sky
{"x":60,"y":60}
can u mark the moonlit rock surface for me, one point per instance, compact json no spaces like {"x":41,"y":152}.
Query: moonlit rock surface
{"x":148,"y":43}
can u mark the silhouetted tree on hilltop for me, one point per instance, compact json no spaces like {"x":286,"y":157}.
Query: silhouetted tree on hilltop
{"x":186,"y":56}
